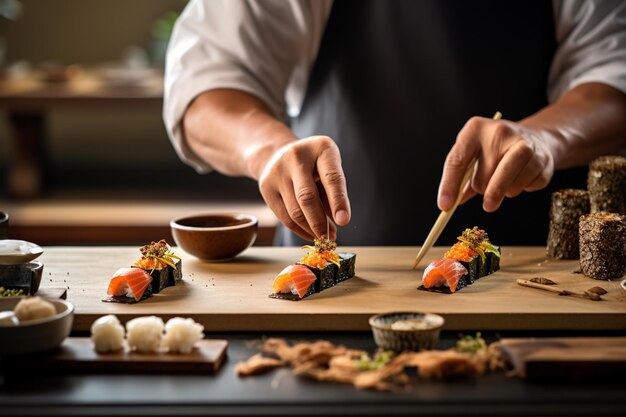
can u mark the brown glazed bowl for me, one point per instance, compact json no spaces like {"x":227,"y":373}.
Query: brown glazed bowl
{"x":215,"y":237}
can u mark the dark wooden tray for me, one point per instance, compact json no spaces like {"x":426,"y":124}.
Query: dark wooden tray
{"x":77,"y":355}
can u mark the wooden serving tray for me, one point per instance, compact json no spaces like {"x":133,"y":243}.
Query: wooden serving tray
{"x":566,"y":358}
{"x":233,"y":296}
{"x":77,"y":354}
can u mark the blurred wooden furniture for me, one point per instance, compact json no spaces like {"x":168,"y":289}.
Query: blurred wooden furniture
{"x":84,"y":222}
{"x":28,"y":99}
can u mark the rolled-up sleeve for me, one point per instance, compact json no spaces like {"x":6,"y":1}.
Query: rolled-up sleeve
{"x":262,"y":47}
{"x":591,"y":37}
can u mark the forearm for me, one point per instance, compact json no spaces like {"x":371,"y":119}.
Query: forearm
{"x":234,"y":131}
{"x":586,"y":122}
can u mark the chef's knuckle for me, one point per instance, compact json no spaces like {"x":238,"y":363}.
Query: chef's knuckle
{"x":333,"y":177}
{"x":290,"y":223}
{"x":473,"y":125}
{"x":325,"y":142}
{"x":525,"y":149}
{"x":306,"y":196}
{"x":501,"y":132}
{"x":297,"y":215}
{"x":455,"y":159}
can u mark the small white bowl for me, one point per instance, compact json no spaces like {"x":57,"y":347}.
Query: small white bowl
{"x":13,"y":252}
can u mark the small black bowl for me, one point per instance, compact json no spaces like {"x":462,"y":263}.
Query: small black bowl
{"x":25,"y":276}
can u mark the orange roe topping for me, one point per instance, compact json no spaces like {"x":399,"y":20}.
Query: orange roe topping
{"x":460,"y":252}
{"x":320,"y":259}
{"x":145,"y":263}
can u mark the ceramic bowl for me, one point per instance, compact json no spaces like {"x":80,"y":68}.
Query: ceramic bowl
{"x":400,"y":340}
{"x":36,"y":335}
{"x":215,"y":237}
{"x":26,"y":276}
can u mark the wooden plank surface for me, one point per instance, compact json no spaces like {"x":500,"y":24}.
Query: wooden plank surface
{"x":233,"y":296}
{"x":77,"y":354}
{"x":566,"y":358}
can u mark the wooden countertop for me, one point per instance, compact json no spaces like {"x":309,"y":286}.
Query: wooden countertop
{"x":233,"y":296}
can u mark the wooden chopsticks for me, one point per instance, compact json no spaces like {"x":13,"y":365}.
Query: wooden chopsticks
{"x":445,"y":216}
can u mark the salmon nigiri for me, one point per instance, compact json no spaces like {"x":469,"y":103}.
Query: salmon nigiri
{"x":295,"y":279}
{"x":129,"y":282}
{"x":445,"y":271}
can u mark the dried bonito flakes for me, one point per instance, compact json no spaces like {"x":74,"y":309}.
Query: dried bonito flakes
{"x":324,"y":361}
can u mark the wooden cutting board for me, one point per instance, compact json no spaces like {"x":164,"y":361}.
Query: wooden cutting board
{"x":77,"y":354}
{"x":566,"y":358}
{"x":233,"y":296}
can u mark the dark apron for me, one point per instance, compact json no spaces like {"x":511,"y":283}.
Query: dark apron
{"x":394,"y":83}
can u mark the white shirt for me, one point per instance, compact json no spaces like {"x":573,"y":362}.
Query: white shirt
{"x":267,"y":48}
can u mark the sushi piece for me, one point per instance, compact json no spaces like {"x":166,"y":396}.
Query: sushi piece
{"x":182,"y":334}
{"x":606,"y":182}
{"x":294,"y":283}
{"x":603,"y":245}
{"x":466,"y":257}
{"x":565,"y":211}
{"x":160,"y":262}
{"x":327,"y":267}
{"x":476,"y":253}
{"x":323,"y":261}
{"x":144,"y":334}
{"x":107,"y":334}
{"x":129,"y":285}
{"x":445,"y":274}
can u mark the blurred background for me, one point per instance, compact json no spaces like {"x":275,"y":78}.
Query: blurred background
{"x":84,"y":156}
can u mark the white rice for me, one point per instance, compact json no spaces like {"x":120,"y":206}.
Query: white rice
{"x":182,"y":334}
{"x":107,"y":334}
{"x":33,"y":308}
{"x":144,"y":334}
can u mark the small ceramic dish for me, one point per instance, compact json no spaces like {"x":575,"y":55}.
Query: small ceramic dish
{"x":26,"y":276}
{"x":406,"y":331}
{"x":13,"y":252}
{"x":36,"y":335}
{"x":215,"y":237}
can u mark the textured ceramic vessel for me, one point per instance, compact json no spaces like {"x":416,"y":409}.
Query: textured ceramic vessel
{"x":400,"y":340}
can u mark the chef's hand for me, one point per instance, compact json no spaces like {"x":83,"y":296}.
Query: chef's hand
{"x":511,"y":159}
{"x":303,"y":183}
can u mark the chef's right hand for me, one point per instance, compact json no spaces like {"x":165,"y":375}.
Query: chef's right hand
{"x":303,"y":183}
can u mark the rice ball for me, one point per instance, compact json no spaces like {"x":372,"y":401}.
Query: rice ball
{"x":144,"y":334}
{"x":182,"y":334}
{"x":33,"y":308}
{"x":107,"y":334}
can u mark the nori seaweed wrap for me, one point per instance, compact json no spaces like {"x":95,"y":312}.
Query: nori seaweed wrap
{"x":603,"y":245}
{"x":473,"y":269}
{"x":347,"y":267}
{"x":565,"y":211}
{"x":606,"y":183}
{"x":325,"y":277}
{"x":295,"y":297}
{"x":128,"y":300}
{"x":464,"y":281}
{"x":494,"y":261}
{"x":176,"y":274}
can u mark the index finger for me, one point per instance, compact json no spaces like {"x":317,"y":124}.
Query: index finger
{"x":458,"y":160}
{"x":334,"y":183}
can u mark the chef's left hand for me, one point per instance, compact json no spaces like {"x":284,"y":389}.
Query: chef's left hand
{"x":511,"y":158}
